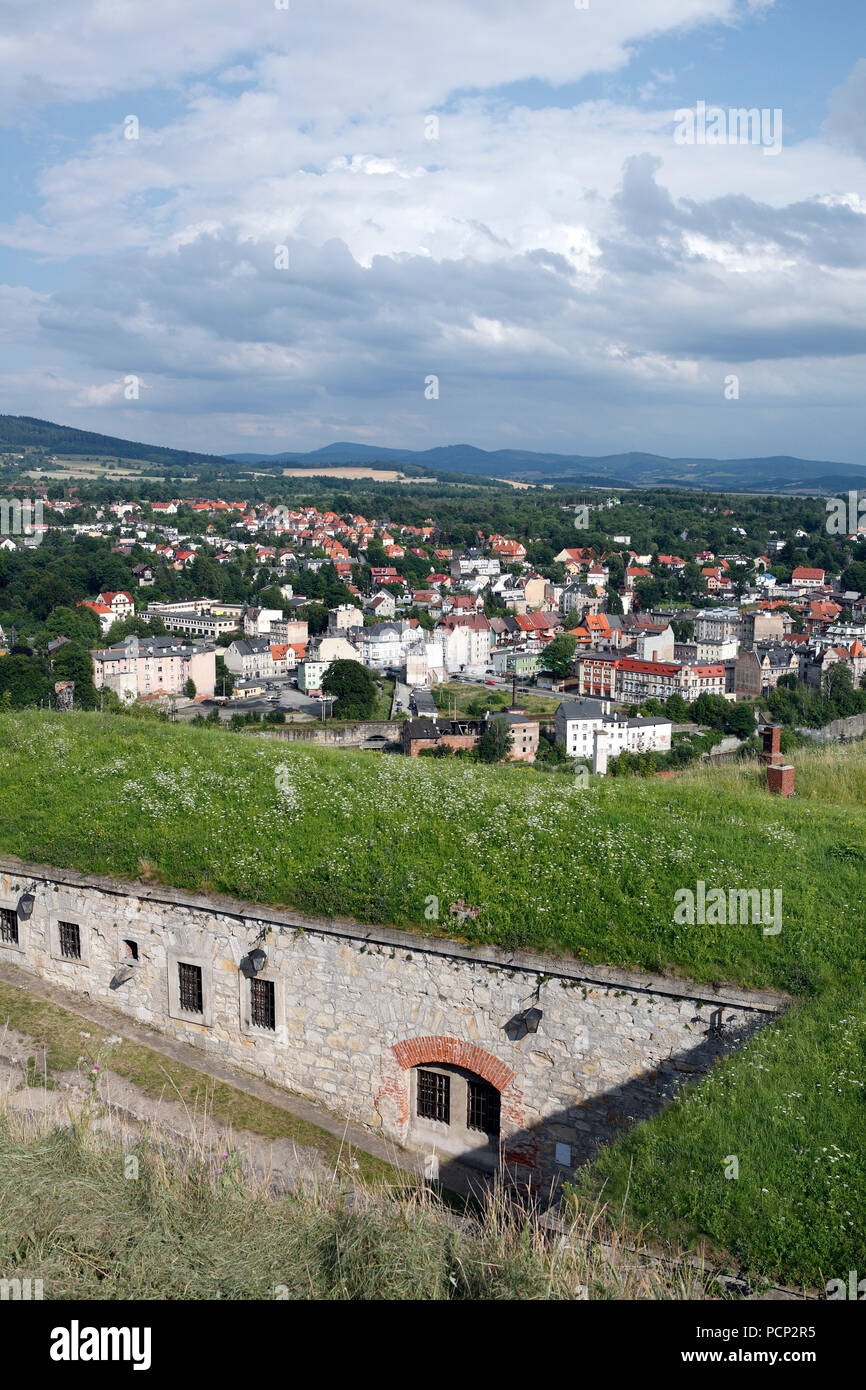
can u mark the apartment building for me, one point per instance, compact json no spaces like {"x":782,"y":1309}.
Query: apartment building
{"x":645,"y":680}
{"x":137,"y":668}
{"x":578,"y":722}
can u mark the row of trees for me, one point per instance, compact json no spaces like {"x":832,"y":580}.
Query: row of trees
{"x":794,"y":704}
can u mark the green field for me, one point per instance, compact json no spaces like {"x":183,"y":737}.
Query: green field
{"x":464,"y":695}
{"x":553,"y":867}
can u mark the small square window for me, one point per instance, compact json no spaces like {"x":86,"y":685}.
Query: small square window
{"x":190,"y":990}
{"x":70,"y":940}
{"x":434,"y":1096}
{"x":262,"y":1004}
{"x":130,"y":949}
{"x":8,"y":926}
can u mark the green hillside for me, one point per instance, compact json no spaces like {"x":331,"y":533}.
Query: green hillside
{"x":553,"y":867}
{"x":18,"y":432}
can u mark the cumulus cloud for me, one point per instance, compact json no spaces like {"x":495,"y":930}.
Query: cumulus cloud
{"x":846,"y":118}
{"x":290,"y":251}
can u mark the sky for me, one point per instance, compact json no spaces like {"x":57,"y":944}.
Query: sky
{"x":257,"y":225}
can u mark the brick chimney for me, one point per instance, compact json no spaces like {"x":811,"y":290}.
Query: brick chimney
{"x":771,"y":752}
{"x":780,"y":779}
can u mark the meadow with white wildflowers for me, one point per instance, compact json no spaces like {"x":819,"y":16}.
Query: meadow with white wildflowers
{"x":551,"y":866}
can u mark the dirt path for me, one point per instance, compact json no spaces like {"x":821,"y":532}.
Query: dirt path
{"x":352,"y":1136}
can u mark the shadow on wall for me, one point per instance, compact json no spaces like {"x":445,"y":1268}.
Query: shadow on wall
{"x":537,"y":1159}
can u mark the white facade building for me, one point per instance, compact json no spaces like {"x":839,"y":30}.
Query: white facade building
{"x":578,"y":721}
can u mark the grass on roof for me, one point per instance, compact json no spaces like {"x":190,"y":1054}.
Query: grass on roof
{"x":554,"y":867}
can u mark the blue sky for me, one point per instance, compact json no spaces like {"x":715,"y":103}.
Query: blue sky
{"x":573,"y":277}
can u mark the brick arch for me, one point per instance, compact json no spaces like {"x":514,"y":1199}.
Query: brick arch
{"x":414,"y":1052}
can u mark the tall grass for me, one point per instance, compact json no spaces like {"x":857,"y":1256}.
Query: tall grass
{"x":835,"y":774}
{"x":192,"y":1226}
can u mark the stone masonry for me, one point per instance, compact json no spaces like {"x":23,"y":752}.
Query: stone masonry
{"x":358,"y":1009}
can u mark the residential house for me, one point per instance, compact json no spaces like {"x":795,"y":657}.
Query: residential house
{"x":805,"y":578}
{"x":466,"y":640}
{"x":139,"y":668}
{"x":582,"y":724}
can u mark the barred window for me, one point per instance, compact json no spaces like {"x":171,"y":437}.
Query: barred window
{"x":9,"y":926}
{"x":70,"y":940}
{"x":482,"y":1107}
{"x":434,"y":1096}
{"x":190,"y":993}
{"x":262,"y":1005}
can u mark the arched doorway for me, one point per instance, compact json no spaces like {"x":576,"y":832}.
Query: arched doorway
{"x":455,"y":1112}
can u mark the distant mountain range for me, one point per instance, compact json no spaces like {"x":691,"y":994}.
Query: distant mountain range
{"x":777,"y":474}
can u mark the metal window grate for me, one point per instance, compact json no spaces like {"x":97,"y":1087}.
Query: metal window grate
{"x":189,"y":980}
{"x":262,"y":1006}
{"x":434,"y":1096}
{"x":482,"y":1107}
{"x":9,"y":926}
{"x":70,"y":940}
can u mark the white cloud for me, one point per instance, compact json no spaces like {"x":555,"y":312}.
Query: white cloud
{"x":569,"y":271}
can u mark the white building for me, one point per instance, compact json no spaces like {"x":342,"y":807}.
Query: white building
{"x":656,"y":646}
{"x":344,"y":618}
{"x":257,"y":621}
{"x":386,"y":645}
{"x":311,"y":674}
{"x":250,"y":657}
{"x":466,"y":641}
{"x":334,"y":648}
{"x":578,"y":722}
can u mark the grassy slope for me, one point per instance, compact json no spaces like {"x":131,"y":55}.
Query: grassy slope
{"x":542,"y":706}
{"x":195,"y":1225}
{"x":553,"y":867}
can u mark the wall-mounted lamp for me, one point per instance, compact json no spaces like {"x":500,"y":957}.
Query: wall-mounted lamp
{"x":124,"y":972}
{"x":25,"y":905}
{"x":525,"y":1022}
{"x":254,"y":961}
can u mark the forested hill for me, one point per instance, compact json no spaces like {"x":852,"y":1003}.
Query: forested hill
{"x":25,"y":432}
{"x":777,"y":474}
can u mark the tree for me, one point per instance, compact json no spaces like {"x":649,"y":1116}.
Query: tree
{"x":495,"y":743}
{"x":741,"y":720}
{"x":80,"y":625}
{"x":22,"y":680}
{"x":315,"y":615}
{"x":710,"y":709}
{"x":676,"y":709}
{"x":224,"y":681}
{"x":558,"y":656}
{"x":189,"y":689}
{"x":135,"y":626}
{"x":353,"y":689}
{"x":73,"y":663}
